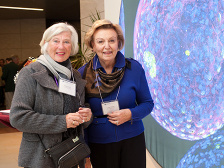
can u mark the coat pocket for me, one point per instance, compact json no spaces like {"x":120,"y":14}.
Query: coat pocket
{"x":32,"y":137}
{"x":100,"y":128}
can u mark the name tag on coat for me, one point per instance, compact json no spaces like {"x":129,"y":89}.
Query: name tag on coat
{"x":67,"y":87}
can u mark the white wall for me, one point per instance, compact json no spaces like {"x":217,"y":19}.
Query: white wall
{"x":87,"y":9}
{"x":112,"y":10}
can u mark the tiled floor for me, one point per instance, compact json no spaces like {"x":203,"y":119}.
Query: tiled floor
{"x":9,"y":147}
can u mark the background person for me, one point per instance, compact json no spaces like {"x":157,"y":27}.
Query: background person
{"x":39,"y":107}
{"x":15,"y":59}
{"x":119,"y":97}
{"x":8,"y":72}
{"x":8,"y":60}
{"x":2,"y":62}
{"x":2,"y":84}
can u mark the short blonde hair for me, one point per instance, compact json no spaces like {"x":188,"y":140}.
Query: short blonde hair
{"x":56,"y":29}
{"x":104,"y":24}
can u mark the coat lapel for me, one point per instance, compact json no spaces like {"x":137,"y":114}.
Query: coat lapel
{"x":43,"y":77}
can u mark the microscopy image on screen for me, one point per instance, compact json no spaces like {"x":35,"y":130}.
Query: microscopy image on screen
{"x":205,"y":153}
{"x":121,"y":22}
{"x":180,"y":45}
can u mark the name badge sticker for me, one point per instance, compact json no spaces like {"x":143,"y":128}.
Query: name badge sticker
{"x":110,"y":106}
{"x":67,"y":87}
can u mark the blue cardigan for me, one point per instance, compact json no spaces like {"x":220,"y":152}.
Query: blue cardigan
{"x":134,"y":94}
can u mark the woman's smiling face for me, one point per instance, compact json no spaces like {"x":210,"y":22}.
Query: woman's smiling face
{"x":59,"y":47}
{"x":105,"y":44}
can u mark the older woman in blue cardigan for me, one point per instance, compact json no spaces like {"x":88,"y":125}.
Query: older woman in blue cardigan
{"x":119,"y":97}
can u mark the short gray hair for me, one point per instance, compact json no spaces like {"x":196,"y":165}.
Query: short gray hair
{"x":56,"y":29}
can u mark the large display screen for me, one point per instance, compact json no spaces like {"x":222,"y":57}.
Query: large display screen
{"x":180,"y":45}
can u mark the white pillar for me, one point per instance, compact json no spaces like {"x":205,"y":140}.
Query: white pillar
{"x":87,"y":8}
{"x":112,"y":10}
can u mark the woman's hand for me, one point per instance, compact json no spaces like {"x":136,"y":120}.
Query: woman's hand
{"x":86,"y":113}
{"x":73,"y":120}
{"x":119,"y":117}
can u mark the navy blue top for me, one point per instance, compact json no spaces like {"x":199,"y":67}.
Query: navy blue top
{"x":134,"y":94}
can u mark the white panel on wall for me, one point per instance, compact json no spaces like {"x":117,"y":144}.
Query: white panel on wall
{"x":87,"y":8}
{"x":112,"y":10}
{"x":90,"y":6}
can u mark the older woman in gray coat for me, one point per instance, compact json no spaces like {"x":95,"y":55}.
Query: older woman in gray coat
{"x":48,"y":98}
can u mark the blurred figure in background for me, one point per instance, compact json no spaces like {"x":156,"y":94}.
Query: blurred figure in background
{"x":8,"y":73}
{"x":15,"y":59}
{"x":8,"y":60}
{"x":2,"y":84}
{"x":2,"y":62}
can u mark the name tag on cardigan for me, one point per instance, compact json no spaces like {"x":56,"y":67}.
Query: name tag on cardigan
{"x":110,"y":106}
{"x":67,"y":87}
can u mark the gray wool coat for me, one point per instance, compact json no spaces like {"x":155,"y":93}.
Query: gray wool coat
{"x":37,"y":108}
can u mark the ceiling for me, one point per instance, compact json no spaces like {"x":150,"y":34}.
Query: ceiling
{"x":53,"y":9}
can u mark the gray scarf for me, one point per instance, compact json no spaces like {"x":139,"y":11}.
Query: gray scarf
{"x":53,"y":66}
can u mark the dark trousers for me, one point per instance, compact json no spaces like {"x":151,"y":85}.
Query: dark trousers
{"x":129,"y":153}
{"x":2,"y":95}
{"x":81,"y":165}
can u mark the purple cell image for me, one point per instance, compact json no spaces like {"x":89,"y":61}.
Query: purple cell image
{"x":208,"y":152}
{"x":121,"y":22}
{"x":180,"y":45}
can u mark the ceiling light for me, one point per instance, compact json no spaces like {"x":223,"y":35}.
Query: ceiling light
{"x":21,"y":8}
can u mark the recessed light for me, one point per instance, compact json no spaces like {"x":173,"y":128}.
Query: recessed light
{"x":21,"y":8}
